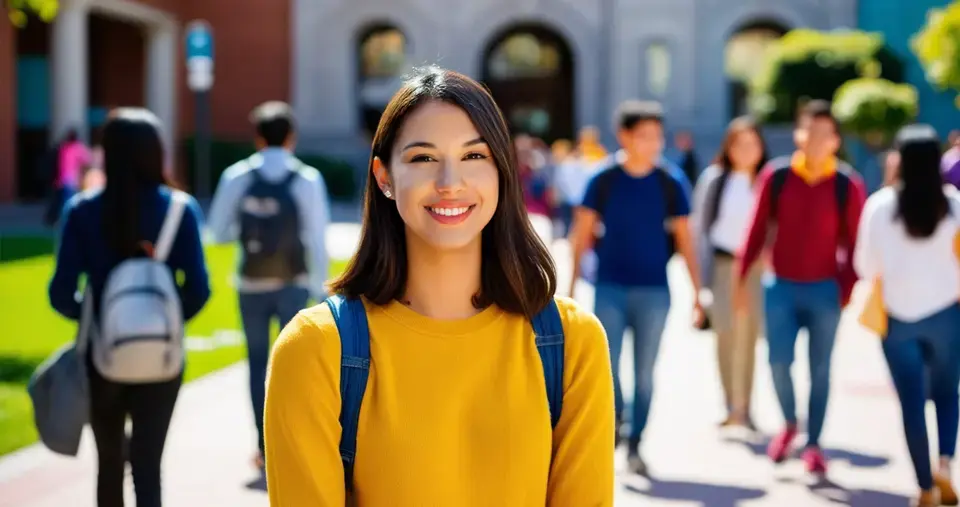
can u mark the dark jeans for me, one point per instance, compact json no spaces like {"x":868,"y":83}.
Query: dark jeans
{"x":150,"y":407}
{"x":789,"y":307}
{"x":258,"y":309}
{"x":644,"y":310}
{"x":912,"y":349}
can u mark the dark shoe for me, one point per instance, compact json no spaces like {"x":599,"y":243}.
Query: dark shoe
{"x":616,"y":435}
{"x":636,"y":465}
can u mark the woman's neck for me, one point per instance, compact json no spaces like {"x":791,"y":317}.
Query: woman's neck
{"x":749,"y":171}
{"x":441,"y":283}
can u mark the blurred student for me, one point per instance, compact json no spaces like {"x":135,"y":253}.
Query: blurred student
{"x":813,"y":202}
{"x":908,"y":241}
{"x":722,"y":205}
{"x":102,"y":229}
{"x":276,"y":207}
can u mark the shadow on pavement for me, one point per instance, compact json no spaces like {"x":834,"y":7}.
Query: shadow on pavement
{"x":829,"y":490}
{"x":258,"y":484}
{"x":758,"y":446}
{"x":712,"y":495}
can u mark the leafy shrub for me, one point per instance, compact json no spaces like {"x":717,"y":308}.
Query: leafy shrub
{"x":808,"y":64}
{"x":875,"y":109}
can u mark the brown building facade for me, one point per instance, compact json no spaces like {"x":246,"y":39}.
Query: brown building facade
{"x":99,"y":54}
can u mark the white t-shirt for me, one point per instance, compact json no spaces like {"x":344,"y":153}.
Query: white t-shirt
{"x":920,"y":276}
{"x":734,"y":214}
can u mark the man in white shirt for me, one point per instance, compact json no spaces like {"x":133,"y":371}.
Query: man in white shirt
{"x":277,"y":208}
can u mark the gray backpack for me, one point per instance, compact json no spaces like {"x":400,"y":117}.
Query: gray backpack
{"x":140,"y":334}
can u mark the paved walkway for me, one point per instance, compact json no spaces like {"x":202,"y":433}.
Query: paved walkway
{"x":207,"y":456}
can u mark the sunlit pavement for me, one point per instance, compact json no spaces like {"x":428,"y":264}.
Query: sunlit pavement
{"x":207,"y":459}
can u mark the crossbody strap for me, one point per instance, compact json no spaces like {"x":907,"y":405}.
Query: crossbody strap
{"x":86,"y":320}
{"x":171,"y":224}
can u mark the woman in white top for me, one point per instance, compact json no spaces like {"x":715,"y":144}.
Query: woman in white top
{"x":722,"y":208}
{"x":908,"y":239}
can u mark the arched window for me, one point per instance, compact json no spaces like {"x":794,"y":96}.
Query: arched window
{"x":744,"y":55}
{"x":382,"y":60}
{"x":528,"y":68}
{"x":524,"y":55}
{"x":658,"y":69}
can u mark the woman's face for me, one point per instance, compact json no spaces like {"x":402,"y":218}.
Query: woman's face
{"x":746,"y":150}
{"x":442,"y":176}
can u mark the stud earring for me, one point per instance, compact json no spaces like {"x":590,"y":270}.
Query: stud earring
{"x":387,"y":193}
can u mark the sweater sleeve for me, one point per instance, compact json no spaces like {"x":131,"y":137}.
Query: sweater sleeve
{"x":757,"y":235}
{"x":71,"y":262}
{"x":301,"y":424}
{"x":582,"y":468}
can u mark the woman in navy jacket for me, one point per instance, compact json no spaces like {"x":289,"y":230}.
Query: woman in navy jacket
{"x":102,"y":228}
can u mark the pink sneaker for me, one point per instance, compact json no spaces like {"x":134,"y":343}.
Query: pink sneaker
{"x":814,"y":461}
{"x":780,"y":445}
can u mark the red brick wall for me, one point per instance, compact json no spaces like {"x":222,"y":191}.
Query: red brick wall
{"x":252,"y":42}
{"x":8,"y":110}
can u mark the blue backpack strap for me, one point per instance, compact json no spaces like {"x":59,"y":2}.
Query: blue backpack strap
{"x":351,"y":319}
{"x":549,"y":330}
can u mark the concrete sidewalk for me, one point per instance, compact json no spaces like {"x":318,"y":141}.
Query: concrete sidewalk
{"x":212,"y":438}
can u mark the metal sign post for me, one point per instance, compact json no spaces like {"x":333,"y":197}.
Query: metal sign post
{"x":199,"y":46}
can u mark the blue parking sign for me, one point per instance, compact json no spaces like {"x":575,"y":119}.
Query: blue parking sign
{"x":199,"y":41}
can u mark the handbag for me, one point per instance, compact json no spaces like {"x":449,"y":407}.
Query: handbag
{"x":59,"y":389}
{"x":874,"y":313}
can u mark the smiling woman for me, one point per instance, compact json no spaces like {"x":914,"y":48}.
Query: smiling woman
{"x":477,"y":386}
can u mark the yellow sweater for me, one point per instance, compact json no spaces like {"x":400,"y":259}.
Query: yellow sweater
{"x":455,"y":414}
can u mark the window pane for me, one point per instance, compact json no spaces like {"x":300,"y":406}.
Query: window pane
{"x":523,"y":55}
{"x":658,"y":69}
{"x":383,"y":53}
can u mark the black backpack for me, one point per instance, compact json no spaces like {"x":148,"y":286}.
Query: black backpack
{"x":270,"y":230}
{"x":781,"y":169}
{"x":604,"y":184}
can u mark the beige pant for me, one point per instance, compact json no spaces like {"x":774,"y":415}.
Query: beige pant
{"x":736,"y":334}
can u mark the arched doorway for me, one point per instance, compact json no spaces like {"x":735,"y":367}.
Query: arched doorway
{"x":744,"y":55}
{"x":381,"y":62}
{"x":529,"y":71}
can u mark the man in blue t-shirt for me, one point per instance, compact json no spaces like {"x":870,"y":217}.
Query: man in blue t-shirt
{"x":641,"y":207}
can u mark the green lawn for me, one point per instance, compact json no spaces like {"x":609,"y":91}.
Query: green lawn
{"x":31,"y":330}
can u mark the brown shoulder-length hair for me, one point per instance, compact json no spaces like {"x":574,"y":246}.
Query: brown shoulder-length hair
{"x":736,"y":127}
{"x":517,"y":272}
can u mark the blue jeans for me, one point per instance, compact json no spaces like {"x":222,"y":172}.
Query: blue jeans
{"x":257,"y":309}
{"x":644,"y":310}
{"x":913,"y":348}
{"x":790,"y":306}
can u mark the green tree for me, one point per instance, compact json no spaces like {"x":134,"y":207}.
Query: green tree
{"x":809,"y":64}
{"x":19,"y":10}
{"x":875,"y":109}
{"x":937,"y":46}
